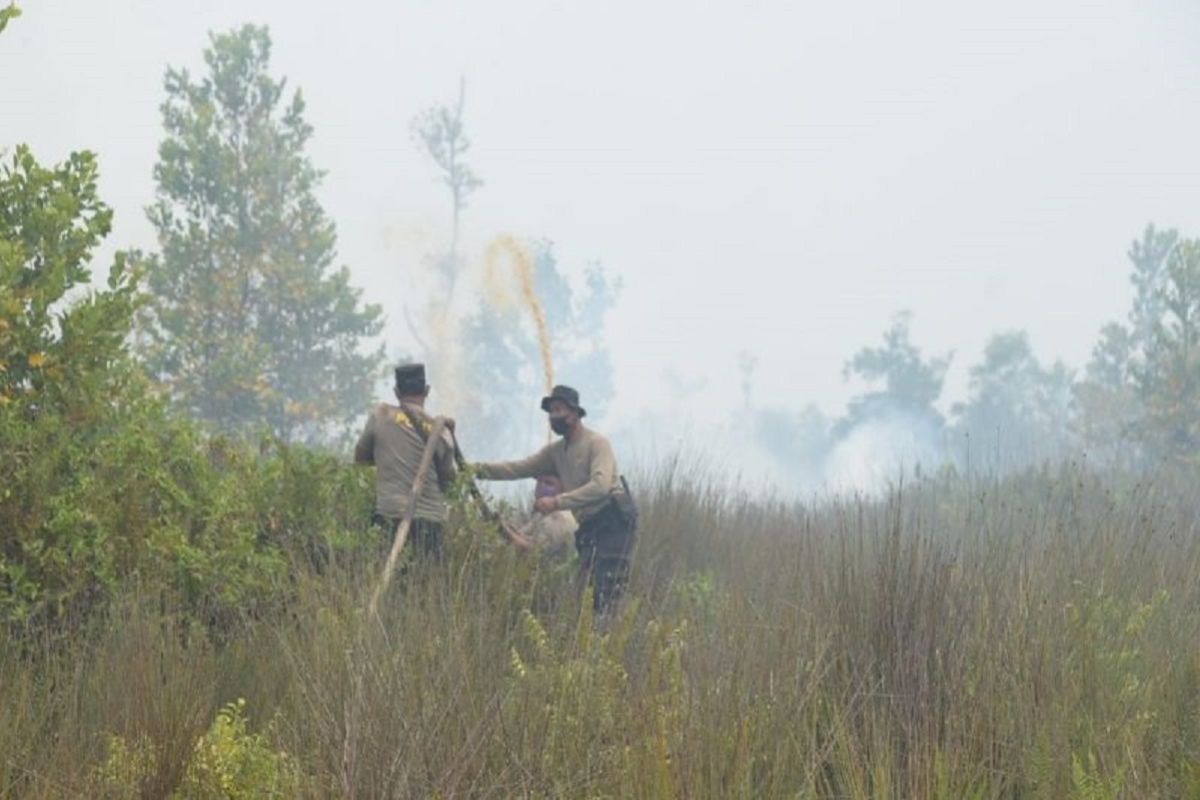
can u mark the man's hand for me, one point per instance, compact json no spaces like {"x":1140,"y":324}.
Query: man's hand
{"x":544,"y":505}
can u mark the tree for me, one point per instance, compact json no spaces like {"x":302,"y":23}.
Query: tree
{"x":1138,"y":397}
{"x":1149,"y":258}
{"x":65,"y":375}
{"x":1168,"y":374}
{"x":441,"y":132}
{"x":1017,"y":411}
{"x":55,"y":353}
{"x":1105,"y":399}
{"x":910,"y":386}
{"x":250,"y":323}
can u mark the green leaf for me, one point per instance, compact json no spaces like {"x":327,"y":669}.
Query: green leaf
{"x":7,"y":14}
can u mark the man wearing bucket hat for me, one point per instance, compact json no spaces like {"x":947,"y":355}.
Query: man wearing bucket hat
{"x":394,"y":441}
{"x":593,"y":490}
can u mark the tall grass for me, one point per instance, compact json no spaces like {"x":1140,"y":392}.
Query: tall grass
{"x":1032,"y":637}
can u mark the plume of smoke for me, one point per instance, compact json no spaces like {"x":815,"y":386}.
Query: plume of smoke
{"x":881,"y":449}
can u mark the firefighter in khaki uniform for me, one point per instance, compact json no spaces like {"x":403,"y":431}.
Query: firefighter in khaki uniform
{"x":394,"y":441}
{"x":594,"y":491}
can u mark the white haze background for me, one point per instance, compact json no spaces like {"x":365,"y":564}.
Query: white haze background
{"x":771,"y":177}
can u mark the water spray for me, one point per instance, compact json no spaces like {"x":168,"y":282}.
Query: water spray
{"x":522,"y":262}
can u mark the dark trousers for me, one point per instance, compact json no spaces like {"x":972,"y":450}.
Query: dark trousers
{"x":605,"y":544}
{"x":425,"y":535}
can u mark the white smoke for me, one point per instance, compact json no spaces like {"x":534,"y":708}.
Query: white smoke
{"x":879,"y":451}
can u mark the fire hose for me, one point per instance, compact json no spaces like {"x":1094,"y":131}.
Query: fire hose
{"x":510,"y":534}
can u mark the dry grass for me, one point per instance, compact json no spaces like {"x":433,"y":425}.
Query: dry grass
{"x":1028,"y":638}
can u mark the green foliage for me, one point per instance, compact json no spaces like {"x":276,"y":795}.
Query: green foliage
{"x":1088,"y":782}
{"x":57,"y":350}
{"x":232,"y":763}
{"x":99,"y":484}
{"x":7,"y":15}
{"x":229,"y":762}
{"x":64,"y":373}
{"x":139,"y":493}
{"x":573,"y":694}
{"x":250,"y":324}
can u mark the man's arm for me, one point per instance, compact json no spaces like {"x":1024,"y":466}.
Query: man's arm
{"x":540,"y":463}
{"x":364,"y":449}
{"x":603,"y":469}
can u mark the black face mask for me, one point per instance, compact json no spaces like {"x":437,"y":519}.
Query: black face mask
{"x":560,"y":425}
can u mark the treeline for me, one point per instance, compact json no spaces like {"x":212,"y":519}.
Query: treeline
{"x":1135,"y":405}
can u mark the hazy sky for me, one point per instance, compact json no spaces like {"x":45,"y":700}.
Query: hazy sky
{"x":773,"y":176}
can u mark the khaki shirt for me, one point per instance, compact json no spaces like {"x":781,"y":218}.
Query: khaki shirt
{"x":586,"y":467}
{"x":394,"y":446}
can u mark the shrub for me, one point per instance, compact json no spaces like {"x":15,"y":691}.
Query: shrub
{"x":231,"y":763}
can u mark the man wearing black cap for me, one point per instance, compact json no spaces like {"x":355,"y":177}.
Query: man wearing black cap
{"x":394,"y":441}
{"x":593,"y":490}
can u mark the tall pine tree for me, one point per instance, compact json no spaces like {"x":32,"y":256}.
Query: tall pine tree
{"x":250,"y":322}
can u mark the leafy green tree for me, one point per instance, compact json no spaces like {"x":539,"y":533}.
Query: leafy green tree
{"x":1018,"y":411}
{"x":55,"y":353}
{"x":64,"y":368}
{"x":251,"y":324}
{"x":905,"y":382}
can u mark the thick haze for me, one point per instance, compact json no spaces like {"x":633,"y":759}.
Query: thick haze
{"x":778,"y":177}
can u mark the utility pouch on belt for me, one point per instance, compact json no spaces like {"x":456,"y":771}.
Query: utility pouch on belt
{"x":625,"y":504}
